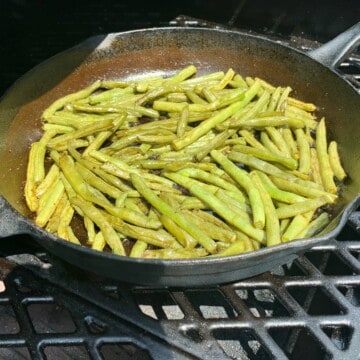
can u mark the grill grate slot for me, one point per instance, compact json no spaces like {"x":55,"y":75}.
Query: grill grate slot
{"x":294,"y":340}
{"x":241,"y":344}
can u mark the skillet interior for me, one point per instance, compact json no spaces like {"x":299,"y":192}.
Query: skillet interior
{"x":165,"y":51}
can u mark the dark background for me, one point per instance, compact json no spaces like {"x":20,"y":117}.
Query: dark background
{"x":33,"y":30}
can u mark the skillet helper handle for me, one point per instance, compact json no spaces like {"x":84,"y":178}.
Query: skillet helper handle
{"x":333,"y":52}
{"x":11,"y":222}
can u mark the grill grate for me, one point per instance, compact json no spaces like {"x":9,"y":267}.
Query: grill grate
{"x":311,"y":307}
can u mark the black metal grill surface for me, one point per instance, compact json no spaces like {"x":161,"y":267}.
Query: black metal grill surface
{"x":309,"y":308}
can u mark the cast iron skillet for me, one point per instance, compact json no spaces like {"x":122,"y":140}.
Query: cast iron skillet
{"x":165,"y":51}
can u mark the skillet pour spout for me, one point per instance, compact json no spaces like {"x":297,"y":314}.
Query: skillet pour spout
{"x":164,"y":51}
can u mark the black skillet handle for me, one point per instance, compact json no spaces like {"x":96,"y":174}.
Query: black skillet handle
{"x":11,"y":222}
{"x":333,"y":52}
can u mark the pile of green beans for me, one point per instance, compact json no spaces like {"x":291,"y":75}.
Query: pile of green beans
{"x":182,"y":167}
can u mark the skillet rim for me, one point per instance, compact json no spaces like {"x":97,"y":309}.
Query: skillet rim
{"x":297,"y":246}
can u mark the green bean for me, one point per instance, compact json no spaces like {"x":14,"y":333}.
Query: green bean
{"x":324,"y":163}
{"x":210,"y":123}
{"x":282,"y":103}
{"x":302,"y":190}
{"x":209,"y":95}
{"x":68,"y":119}
{"x":50,"y":178}
{"x":212,"y":218}
{"x":183,"y":122}
{"x":216,"y":142}
{"x":235,"y":248}
{"x":272,"y":226}
{"x":174,"y":253}
{"x":77,"y":182}
{"x":84,"y":131}
{"x":218,"y":206}
{"x":276,"y":193}
{"x":138,"y":249}
{"x":216,"y":232}
{"x":58,"y":129}
{"x":275,"y":96}
{"x":71,"y":236}
{"x":60,"y":103}
{"x":204,"y":79}
{"x":289,"y":139}
{"x":267,"y":155}
{"x":300,"y":207}
{"x":235,"y":141}
{"x":240,"y":82}
{"x":48,"y":203}
{"x":103,"y":136}
{"x":53,"y":223}
{"x":294,"y":111}
{"x":269,"y":144}
{"x":226,"y":99}
{"x":295,"y":102}
{"x":191,"y":202}
{"x":130,"y":138}
{"x":278,"y":140}
{"x":301,"y":105}
{"x":297,"y":225}
{"x":110,"y":84}
{"x":108,"y":178}
{"x":65,"y":220}
{"x":315,"y":167}
{"x":259,"y":164}
{"x":226,"y":79}
{"x":240,"y":208}
{"x":182,"y":75}
{"x":167,"y":106}
{"x":152,"y":237}
{"x":110,"y":94}
{"x":180,"y":220}
{"x":110,"y":235}
{"x":335,"y":163}
{"x":70,"y":192}
{"x":121,"y":168}
{"x":242,"y":178}
{"x":195,"y":98}
{"x":129,"y":109}
{"x":183,"y":237}
{"x":97,"y":182}
{"x":304,"y":150}
{"x":251,"y":113}
{"x":316,"y":225}
{"x":99,"y":242}
{"x":284,"y":223}
{"x":212,"y":179}
{"x":157,"y":92}
{"x":39,"y":157}
{"x":90,"y":229}
{"x":251,"y":140}
{"x":177,"y":97}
